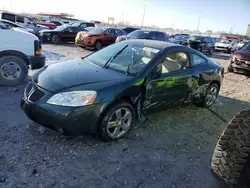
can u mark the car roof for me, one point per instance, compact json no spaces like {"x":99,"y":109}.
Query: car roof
{"x":152,"y":43}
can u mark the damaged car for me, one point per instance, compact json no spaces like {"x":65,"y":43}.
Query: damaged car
{"x":240,"y":60}
{"x":107,"y":91}
{"x":225,"y":45}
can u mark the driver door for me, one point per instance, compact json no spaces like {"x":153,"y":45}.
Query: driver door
{"x":170,"y":83}
{"x":110,"y":36}
{"x":69,"y":34}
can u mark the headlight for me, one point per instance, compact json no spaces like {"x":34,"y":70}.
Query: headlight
{"x":73,"y":98}
{"x":89,"y":37}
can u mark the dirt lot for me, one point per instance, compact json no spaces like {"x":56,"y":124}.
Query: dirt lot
{"x":172,"y":149}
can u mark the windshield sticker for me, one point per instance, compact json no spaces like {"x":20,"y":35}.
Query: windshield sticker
{"x":153,"y":50}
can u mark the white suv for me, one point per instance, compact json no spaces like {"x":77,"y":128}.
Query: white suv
{"x":19,"y":51}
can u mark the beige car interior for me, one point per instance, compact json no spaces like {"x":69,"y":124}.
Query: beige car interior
{"x":174,"y":61}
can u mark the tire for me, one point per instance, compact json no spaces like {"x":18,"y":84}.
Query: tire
{"x":55,"y":39}
{"x":104,"y":131}
{"x":230,"y":69}
{"x":204,"y":100}
{"x":13,"y":70}
{"x":230,"y":160}
{"x":98,"y":45}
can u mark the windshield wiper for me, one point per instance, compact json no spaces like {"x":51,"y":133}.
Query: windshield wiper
{"x":114,"y":56}
{"x":131,"y":62}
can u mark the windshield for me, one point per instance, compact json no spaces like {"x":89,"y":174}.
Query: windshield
{"x":88,"y":28}
{"x":196,"y":38}
{"x":138,"y":34}
{"x":246,"y":47}
{"x":76,"y":24}
{"x":3,"y":26}
{"x":225,"y":41}
{"x":142,"y":56}
{"x":97,"y":30}
{"x":59,"y":28}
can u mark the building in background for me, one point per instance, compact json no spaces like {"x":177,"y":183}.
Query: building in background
{"x":248,"y":31}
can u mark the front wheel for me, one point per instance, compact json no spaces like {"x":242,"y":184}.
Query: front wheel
{"x":117,"y":121}
{"x":13,"y":70}
{"x":98,"y":45}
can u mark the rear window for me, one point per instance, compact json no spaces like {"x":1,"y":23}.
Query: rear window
{"x":10,"y":17}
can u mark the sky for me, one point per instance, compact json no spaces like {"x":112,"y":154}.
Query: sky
{"x":215,"y":15}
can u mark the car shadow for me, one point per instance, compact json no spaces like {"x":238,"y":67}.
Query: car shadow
{"x":220,"y":56}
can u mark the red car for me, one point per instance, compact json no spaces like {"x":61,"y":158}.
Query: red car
{"x":50,"y":25}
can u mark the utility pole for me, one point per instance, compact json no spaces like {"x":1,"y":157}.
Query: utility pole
{"x":122,"y":18}
{"x":11,"y":5}
{"x":198,"y":24}
{"x":143,"y":16}
{"x":173,"y":26}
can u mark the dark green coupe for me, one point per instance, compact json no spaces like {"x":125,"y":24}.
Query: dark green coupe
{"x":108,"y":90}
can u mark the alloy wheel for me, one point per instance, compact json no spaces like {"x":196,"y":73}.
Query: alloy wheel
{"x":10,"y":71}
{"x":211,"y":95}
{"x":119,"y":123}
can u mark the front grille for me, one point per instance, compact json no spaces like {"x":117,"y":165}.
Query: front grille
{"x":33,"y":93}
{"x":36,"y":95}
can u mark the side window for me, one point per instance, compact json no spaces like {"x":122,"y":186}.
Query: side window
{"x":10,"y":17}
{"x":174,"y":61}
{"x":70,"y":30}
{"x":91,"y":25}
{"x":111,"y":32}
{"x":118,"y":32}
{"x":198,"y":59}
{"x":20,"y":19}
{"x":158,"y":36}
{"x":151,"y":36}
{"x":83,"y":25}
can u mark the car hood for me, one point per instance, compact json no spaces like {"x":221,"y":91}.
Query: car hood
{"x":241,"y":54}
{"x":221,"y":44}
{"x":65,"y":75}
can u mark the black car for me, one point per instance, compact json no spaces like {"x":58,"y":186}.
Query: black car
{"x":130,"y":29}
{"x":144,"y":34}
{"x":108,"y":90}
{"x":201,"y":43}
{"x":60,"y":34}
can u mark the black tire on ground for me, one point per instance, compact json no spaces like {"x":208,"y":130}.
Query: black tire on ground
{"x":104,"y":121}
{"x":230,"y":160}
{"x":203,"y":102}
{"x":18,"y":64}
{"x":55,"y":39}
{"x":229,"y":51}
{"x":98,"y":45}
{"x":230,"y":69}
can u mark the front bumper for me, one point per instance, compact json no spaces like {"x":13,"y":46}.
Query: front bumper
{"x":37,"y":62}
{"x":239,"y":66}
{"x":66,"y":120}
{"x":224,"y":49}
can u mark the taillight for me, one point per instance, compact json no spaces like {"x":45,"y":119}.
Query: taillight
{"x":222,"y":71}
{"x":38,"y":47}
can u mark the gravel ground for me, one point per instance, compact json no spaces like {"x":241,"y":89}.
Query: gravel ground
{"x":172,"y":149}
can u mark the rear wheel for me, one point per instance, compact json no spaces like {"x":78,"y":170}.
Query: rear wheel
{"x":230,"y":159}
{"x":13,"y":70}
{"x":55,"y":39}
{"x":230,"y":69}
{"x":210,"y":96}
{"x":117,"y":121}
